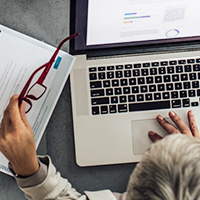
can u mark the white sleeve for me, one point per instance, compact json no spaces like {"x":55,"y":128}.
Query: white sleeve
{"x":53,"y":187}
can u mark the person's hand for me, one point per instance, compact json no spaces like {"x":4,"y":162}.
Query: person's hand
{"x":17,"y":140}
{"x":182,"y":127}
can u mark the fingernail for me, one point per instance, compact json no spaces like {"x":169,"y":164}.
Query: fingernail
{"x":172,"y":113}
{"x":160,"y":117}
{"x":151,"y":133}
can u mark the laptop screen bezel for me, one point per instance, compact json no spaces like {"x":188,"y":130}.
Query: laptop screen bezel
{"x":78,"y":23}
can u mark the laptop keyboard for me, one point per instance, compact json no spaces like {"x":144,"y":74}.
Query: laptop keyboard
{"x":144,"y":86}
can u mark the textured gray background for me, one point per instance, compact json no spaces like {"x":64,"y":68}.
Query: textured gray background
{"x":48,"y":20}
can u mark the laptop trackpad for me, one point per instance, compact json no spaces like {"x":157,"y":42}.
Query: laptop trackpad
{"x":140,"y":129}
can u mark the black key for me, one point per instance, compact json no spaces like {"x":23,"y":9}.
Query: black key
{"x":99,"y":101}
{"x":132,"y":81}
{"x":173,"y":62}
{"x":176,"y":103}
{"x":92,"y":69}
{"x":95,"y":110}
{"x":118,"y":91}
{"x":122,"y":108}
{"x":198,"y":92}
{"x":112,"y":109}
{"x":95,"y":84}
{"x":162,"y":70}
{"x":149,"y":80}
{"x":179,"y":69}
{"x":164,"y":63}
{"x":175,"y":77}
{"x":135,"y":89}
{"x":186,"y":85}
{"x":126,"y":90}
{"x":143,"y":88}
{"x":101,"y":68}
{"x":196,"y":67}
{"x":183,"y":93}
{"x":140,"y":97}
{"x":195,"y":84}
{"x":153,"y":71}
{"x":118,"y":74}
{"x":170,"y":70}
{"x":145,"y":72}
{"x":131,"y":98}
{"x":127,"y":73}
{"x":182,"y":62}
{"x":102,"y":75}
{"x":192,"y":93}
{"x":122,"y":99}
{"x":155,"y":64}
{"x":178,"y":86}
{"x":97,"y":93}
{"x":124,"y":82}
{"x":158,"y":79}
{"x":104,"y":109}
{"x":198,"y":75}
{"x":93,"y":76}
{"x":166,"y":95}
{"x":109,"y":91}
{"x":146,"y":65}
{"x":174,"y":95}
{"x":194,"y":104}
{"x":184,"y":77}
{"x":141,"y":80}
{"x":114,"y":99}
{"x":169,"y":86}
{"x":193,"y":76}
{"x":161,"y":87}
{"x":137,"y":65}
{"x":198,"y":60}
{"x":148,"y":97}
{"x":110,"y":68}
{"x":110,"y":75}
{"x":189,"y":61}
{"x":149,"y":105}
{"x":152,"y":88}
{"x":106,"y":83}
{"x":167,"y":78}
{"x":188,"y":68}
{"x":115,"y":83}
{"x":186,"y":102}
{"x":128,"y":66}
{"x":119,"y":67}
{"x":136,"y":72}
{"x":157,"y":96}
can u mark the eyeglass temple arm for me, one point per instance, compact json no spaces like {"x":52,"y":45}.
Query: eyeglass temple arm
{"x":49,"y":64}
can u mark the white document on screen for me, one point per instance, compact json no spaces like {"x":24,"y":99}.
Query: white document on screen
{"x":20,"y":56}
{"x":117,"y":21}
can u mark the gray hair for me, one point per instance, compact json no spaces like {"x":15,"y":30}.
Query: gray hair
{"x":169,"y":170}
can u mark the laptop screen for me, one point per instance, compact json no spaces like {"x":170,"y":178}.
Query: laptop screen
{"x":117,"y":23}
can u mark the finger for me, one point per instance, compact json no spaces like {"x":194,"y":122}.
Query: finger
{"x":154,"y":136}
{"x":23,"y":114}
{"x":166,"y":125}
{"x":12,"y":110}
{"x":180,"y":123}
{"x":193,"y":125}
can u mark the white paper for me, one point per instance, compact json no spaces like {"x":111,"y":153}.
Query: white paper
{"x":20,"y":56}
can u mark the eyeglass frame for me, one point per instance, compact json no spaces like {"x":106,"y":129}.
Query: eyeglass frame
{"x":24,"y":93}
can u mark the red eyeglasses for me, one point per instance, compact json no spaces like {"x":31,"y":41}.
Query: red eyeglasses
{"x":37,"y":90}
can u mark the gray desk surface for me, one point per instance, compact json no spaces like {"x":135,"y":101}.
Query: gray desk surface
{"x":48,"y":20}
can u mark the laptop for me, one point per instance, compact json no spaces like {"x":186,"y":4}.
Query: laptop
{"x":134,"y":60}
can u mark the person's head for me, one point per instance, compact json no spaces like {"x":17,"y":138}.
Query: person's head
{"x":169,"y":170}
